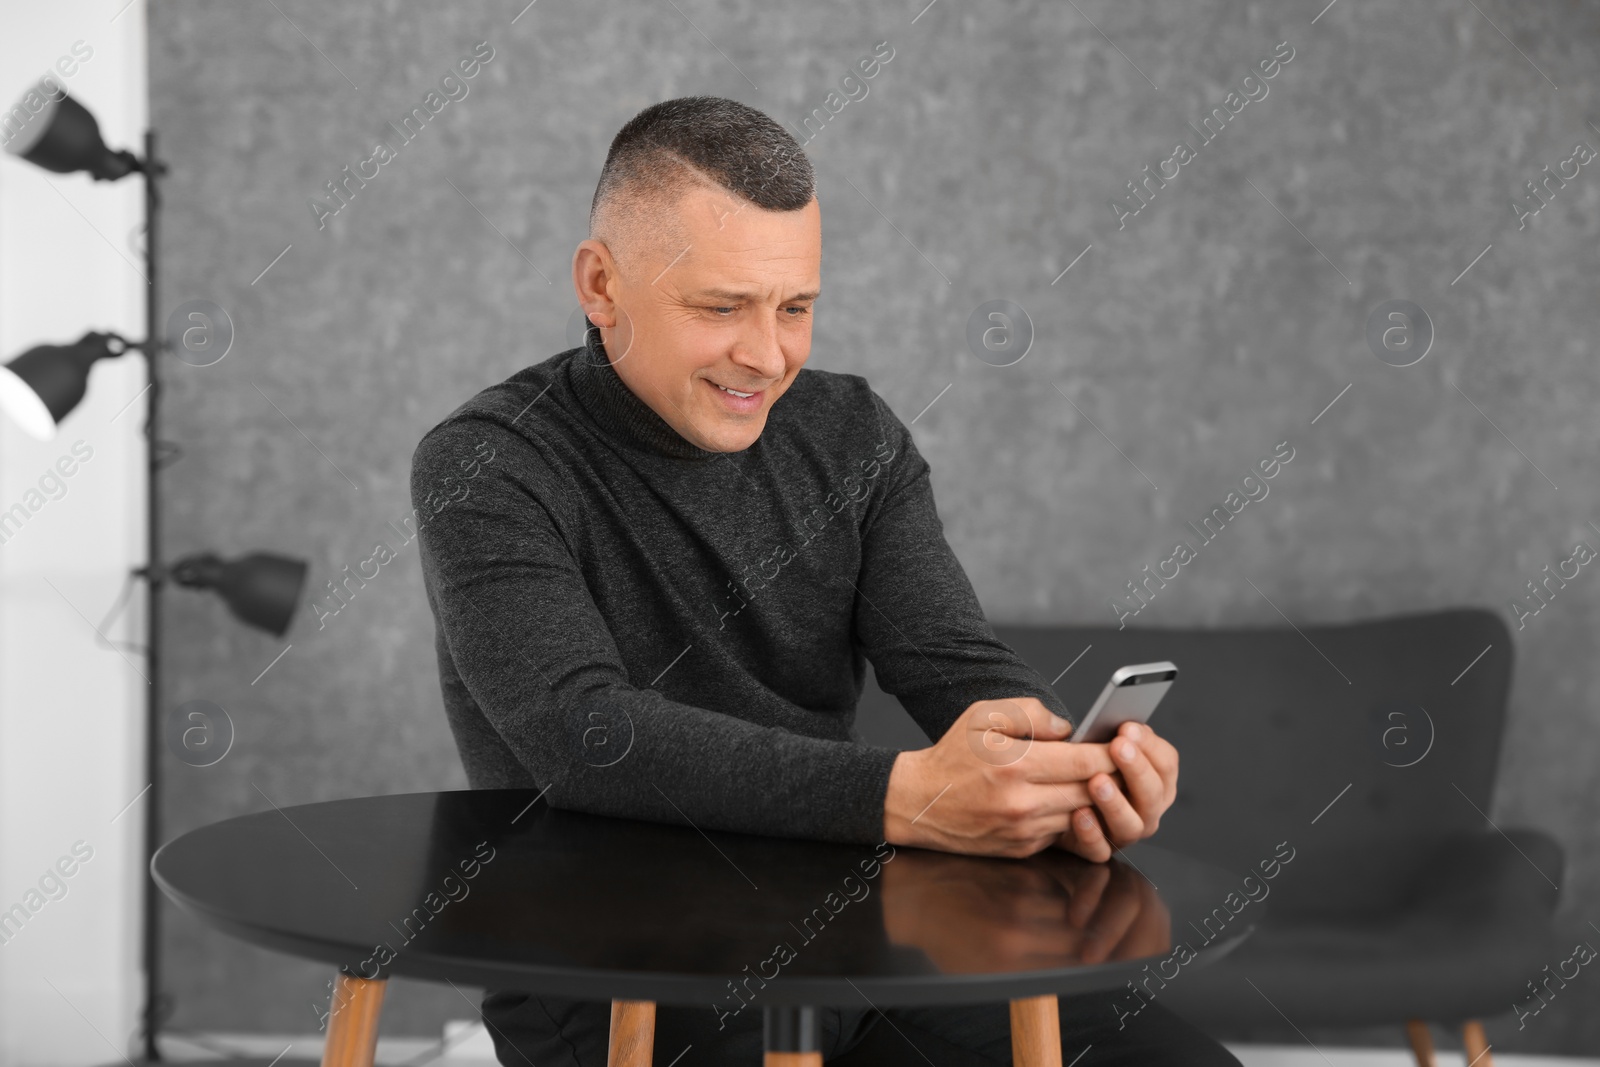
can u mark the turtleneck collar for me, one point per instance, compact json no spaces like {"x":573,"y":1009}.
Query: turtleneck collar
{"x":615,"y":407}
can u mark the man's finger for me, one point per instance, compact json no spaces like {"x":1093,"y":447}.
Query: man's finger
{"x":1060,"y":761}
{"x":1143,"y":786}
{"x":1161,"y":753}
{"x":1003,"y":732}
{"x":1123,"y":823}
{"x":1067,"y":841}
{"x":1021,"y":717}
{"x":1092,"y":843}
{"x":1060,"y":799}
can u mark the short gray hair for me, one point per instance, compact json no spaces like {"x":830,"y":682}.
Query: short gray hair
{"x":693,"y":141}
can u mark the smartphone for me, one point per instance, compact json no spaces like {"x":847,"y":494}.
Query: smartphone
{"x":1130,"y":696}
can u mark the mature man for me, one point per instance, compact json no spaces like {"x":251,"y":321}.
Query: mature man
{"x":656,"y":596}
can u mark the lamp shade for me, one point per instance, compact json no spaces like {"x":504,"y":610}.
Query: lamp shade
{"x":60,"y":135}
{"x":261,"y":589}
{"x":39,"y":387}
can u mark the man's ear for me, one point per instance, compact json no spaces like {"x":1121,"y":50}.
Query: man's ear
{"x":594,"y":273}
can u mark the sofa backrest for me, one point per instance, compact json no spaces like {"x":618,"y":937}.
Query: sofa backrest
{"x":1272,"y":724}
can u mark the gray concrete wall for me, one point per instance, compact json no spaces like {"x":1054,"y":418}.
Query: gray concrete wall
{"x":1221,"y":319}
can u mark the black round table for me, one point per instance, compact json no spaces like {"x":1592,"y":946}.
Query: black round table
{"x":496,"y":889}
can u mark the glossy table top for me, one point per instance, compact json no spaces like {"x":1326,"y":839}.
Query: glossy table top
{"x":494,"y":888}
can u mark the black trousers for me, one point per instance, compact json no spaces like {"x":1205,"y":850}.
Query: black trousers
{"x":547,"y":1032}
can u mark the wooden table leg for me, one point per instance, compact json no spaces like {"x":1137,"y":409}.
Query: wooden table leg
{"x":1421,"y":1042}
{"x":789,"y":1036}
{"x":633,"y":1033}
{"x":1035,"y":1032}
{"x":353,"y":1021}
{"x":1477,"y":1046}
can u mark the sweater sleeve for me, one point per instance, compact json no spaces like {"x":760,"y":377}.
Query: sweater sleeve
{"x":531,"y":647}
{"x":917,"y":617}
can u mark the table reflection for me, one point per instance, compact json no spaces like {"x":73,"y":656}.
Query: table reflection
{"x":979,"y":915}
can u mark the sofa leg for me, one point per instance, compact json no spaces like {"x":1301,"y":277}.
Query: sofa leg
{"x":1421,"y":1042}
{"x":1476,"y":1044}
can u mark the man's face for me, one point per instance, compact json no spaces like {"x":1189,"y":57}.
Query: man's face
{"x":732,"y":309}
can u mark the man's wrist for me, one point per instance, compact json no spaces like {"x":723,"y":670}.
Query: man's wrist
{"x":900,"y":803}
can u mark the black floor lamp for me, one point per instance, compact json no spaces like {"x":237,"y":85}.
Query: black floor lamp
{"x":40,"y":387}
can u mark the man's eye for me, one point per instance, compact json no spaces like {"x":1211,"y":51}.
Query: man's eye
{"x":724,"y":309}
{"x":800,"y":309}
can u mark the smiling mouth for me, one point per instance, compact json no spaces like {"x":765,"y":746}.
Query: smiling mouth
{"x":737,"y":402}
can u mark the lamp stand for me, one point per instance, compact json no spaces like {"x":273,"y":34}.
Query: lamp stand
{"x":151,"y":1013}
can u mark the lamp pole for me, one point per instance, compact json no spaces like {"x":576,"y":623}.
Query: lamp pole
{"x":155,"y":344}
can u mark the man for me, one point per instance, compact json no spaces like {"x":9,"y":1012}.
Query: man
{"x":656,"y":595}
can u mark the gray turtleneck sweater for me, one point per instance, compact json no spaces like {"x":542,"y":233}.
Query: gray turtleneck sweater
{"x":643,"y":628}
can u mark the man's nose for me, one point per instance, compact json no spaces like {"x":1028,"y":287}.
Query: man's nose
{"x":758,"y":349}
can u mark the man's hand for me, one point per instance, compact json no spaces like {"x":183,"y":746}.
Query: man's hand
{"x":1001,"y":783}
{"x":998,"y":783}
{"x":1128,"y":810}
